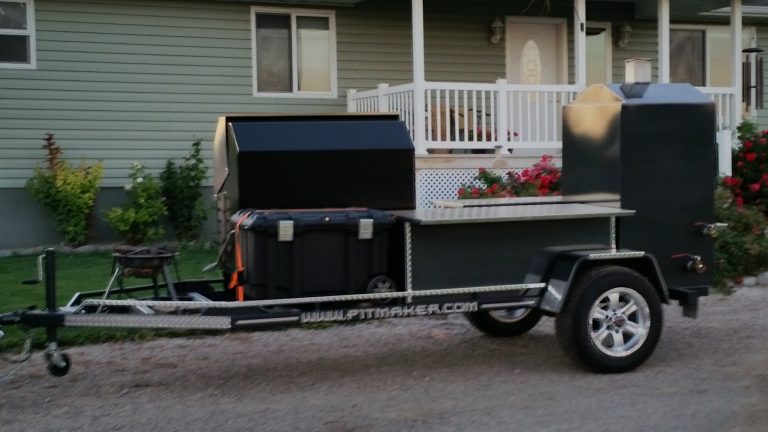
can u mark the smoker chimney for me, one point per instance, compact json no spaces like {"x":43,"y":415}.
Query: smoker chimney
{"x":637,"y":70}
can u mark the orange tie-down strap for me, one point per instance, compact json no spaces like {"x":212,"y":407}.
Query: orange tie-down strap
{"x":236,"y":281}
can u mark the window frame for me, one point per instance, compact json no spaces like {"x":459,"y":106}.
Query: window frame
{"x":29,"y":32}
{"x":293,"y":14}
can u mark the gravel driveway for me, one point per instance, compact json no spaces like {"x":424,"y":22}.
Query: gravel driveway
{"x":430,"y":374}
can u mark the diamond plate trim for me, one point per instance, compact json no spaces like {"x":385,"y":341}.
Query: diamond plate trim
{"x":304,"y":300}
{"x":149,"y":321}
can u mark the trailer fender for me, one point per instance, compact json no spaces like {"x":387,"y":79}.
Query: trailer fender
{"x":564,"y":267}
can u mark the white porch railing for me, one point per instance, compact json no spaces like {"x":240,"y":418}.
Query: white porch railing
{"x":483,"y":116}
{"x":725,"y":112}
{"x":475,"y":116}
{"x":384,"y":98}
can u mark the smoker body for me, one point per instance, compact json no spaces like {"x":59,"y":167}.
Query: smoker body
{"x":653,"y":148}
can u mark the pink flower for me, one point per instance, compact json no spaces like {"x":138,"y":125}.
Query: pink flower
{"x":754,"y":187}
{"x":751,"y":156}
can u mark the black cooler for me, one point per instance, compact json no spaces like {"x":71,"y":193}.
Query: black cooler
{"x":341,"y":171}
{"x":315,"y":252}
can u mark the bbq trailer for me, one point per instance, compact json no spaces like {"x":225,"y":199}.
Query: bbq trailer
{"x":631,"y":231}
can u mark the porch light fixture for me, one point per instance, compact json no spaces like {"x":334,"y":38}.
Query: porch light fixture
{"x":625,"y":32}
{"x":497,"y":27}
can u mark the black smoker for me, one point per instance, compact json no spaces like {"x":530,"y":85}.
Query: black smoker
{"x":653,"y":147}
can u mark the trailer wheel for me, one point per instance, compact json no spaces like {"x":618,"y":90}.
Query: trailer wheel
{"x":505,"y":322}
{"x":58,"y":370}
{"x":611,"y":321}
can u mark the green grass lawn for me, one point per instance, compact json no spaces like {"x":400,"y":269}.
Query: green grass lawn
{"x":75,"y":273}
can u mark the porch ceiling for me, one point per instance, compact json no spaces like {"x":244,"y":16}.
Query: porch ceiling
{"x":696,"y":10}
{"x":304,"y":2}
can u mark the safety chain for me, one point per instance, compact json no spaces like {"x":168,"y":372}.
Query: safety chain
{"x":26,"y":353}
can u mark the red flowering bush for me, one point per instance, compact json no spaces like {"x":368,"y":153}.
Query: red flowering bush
{"x":749,"y":183}
{"x":540,"y":180}
{"x":742,"y":248}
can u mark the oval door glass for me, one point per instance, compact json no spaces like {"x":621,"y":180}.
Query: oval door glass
{"x":530,"y":64}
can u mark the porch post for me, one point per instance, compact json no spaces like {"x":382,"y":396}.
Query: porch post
{"x":351,"y":105}
{"x":419,"y":102}
{"x":736,"y":77}
{"x":580,"y":42}
{"x":727,"y":135}
{"x":383,"y":98}
{"x":663,"y":50}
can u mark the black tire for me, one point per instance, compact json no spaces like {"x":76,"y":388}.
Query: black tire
{"x":494,"y":323}
{"x":59,"y":371}
{"x":606,"y":305}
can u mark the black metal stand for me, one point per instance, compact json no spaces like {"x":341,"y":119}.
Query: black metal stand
{"x":58,"y":362}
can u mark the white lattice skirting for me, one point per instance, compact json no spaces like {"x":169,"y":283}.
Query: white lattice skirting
{"x":442,"y":184}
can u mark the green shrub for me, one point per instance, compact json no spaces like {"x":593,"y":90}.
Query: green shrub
{"x":67,"y":192}
{"x":139,"y":220}
{"x":741,"y":248}
{"x":181,"y":185}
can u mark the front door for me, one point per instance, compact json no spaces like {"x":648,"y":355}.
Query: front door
{"x":536,"y":56}
{"x":535,"y":53}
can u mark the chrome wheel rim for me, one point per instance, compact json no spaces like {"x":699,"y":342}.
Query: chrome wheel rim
{"x":619,"y":321}
{"x":510,"y":315}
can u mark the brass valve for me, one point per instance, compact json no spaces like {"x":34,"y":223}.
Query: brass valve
{"x":710,"y":229}
{"x":693,"y":263}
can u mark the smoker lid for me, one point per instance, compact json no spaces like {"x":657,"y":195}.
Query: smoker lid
{"x":676,"y":93}
{"x":598,"y":94}
{"x":298,"y":135}
{"x":653,"y":94}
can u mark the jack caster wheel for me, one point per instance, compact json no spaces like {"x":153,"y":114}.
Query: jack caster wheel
{"x":61,"y":369}
{"x":380,"y":284}
{"x":612,"y":320}
{"x":505,"y":322}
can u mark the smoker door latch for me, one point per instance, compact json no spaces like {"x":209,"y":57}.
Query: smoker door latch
{"x":693,"y":263}
{"x":710,"y":229}
{"x":365,"y":229}
{"x":285,"y":231}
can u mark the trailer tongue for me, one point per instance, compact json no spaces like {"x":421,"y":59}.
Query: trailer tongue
{"x":627,"y":237}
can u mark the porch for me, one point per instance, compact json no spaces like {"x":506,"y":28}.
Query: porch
{"x":498,"y":118}
{"x":459,"y":126}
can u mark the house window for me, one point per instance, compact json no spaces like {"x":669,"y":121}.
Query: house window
{"x":294,"y":53}
{"x":701,"y":55}
{"x":687,"y":54}
{"x":17,"y":34}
